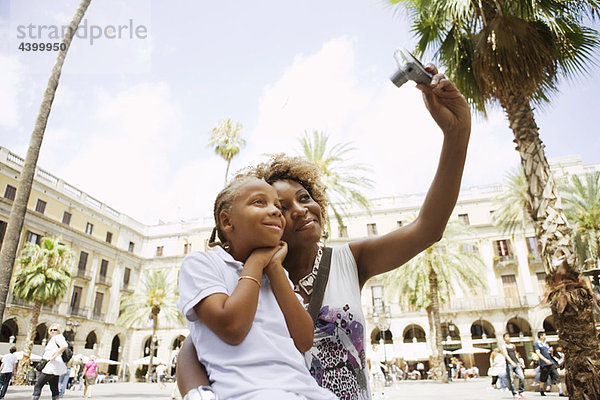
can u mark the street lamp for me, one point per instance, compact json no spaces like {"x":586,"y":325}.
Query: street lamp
{"x":383,"y":324}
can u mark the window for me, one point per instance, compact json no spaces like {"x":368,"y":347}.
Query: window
{"x":40,"y":206}
{"x":131,"y":247}
{"x":126,"y":276}
{"x":468,"y":248}
{"x":502,"y":248}
{"x":108,"y":237}
{"x":377,"y":293}
{"x":33,"y":237}
{"x":103,"y":268}
{"x":159,"y":250}
{"x":83,"y":256}
{"x":511,"y":290}
{"x":98,"y":303}
{"x":10,"y":192}
{"x":398,"y":224}
{"x":66,"y":218}
{"x":541,"y":282}
{"x":343,"y":231}
{"x":89,"y":228}
{"x":2,"y":232}
{"x":76,"y":298}
{"x":464,"y":218}
{"x":187,"y":247}
{"x":532,"y":246}
{"x":372,"y":229}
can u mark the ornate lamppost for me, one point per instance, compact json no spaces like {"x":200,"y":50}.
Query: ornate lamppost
{"x":382,"y":319}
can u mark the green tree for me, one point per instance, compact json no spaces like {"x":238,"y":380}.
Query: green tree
{"x":19,"y":207}
{"x":512,"y":53}
{"x":154,"y":298}
{"x":227,"y":140}
{"x":582,"y":205}
{"x":513,"y":210}
{"x":341,"y":178}
{"x":430,"y":277}
{"x":43,"y":277}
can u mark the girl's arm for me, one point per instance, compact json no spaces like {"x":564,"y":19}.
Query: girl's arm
{"x":189,"y":372}
{"x":451,"y":112}
{"x":230,"y":317}
{"x":297,"y":319}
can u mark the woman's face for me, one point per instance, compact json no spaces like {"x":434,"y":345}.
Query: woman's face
{"x":302,"y":214}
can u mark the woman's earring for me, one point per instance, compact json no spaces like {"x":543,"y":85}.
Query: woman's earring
{"x":226,"y":246}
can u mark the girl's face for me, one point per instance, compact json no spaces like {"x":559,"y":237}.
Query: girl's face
{"x":255,"y":218}
{"x":302,"y":214}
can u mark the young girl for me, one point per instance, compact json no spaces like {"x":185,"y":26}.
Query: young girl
{"x":248,"y":330}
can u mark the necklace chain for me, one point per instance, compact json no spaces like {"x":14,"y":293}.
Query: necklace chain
{"x":307,"y":283}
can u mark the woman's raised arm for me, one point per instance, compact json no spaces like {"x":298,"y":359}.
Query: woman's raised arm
{"x":451,"y":112}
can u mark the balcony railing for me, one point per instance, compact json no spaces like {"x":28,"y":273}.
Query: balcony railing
{"x":127,"y":287}
{"x":82,"y":273}
{"x":505,"y":262}
{"x":98,"y":316}
{"x":103,"y":280}
{"x":489,"y":303}
{"x":20,"y":302}
{"x":79,"y":312}
{"x":534,"y":260}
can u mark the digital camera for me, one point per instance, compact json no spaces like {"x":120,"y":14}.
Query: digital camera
{"x":409,"y":68}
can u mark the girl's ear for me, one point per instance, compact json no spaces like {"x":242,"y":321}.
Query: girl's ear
{"x":225,"y":221}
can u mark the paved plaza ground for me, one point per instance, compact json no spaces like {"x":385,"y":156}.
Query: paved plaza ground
{"x":476,"y":389}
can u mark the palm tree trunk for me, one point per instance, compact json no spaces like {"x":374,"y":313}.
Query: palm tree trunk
{"x":19,"y":207}
{"x":152,"y":343}
{"x":23,"y":367}
{"x":435,"y":308}
{"x":227,"y":170}
{"x":570,"y":297}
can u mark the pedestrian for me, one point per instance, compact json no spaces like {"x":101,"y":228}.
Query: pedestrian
{"x":161,"y":373}
{"x":514,"y":366}
{"x":7,"y":370}
{"x":248,"y":330}
{"x":90,"y":373}
{"x":498,"y":369}
{"x":547,"y":366}
{"x":421,"y":369}
{"x":72,"y":375}
{"x":337,"y":359}
{"x":54,"y":365}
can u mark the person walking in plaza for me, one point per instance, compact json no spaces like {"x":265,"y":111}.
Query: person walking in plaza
{"x":7,"y":370}
{"x":513,"y":367}
{"x":337,"y":357}
{"x":90,"y":373}
{"x":498,"y":369}
{"x":55,"y":365}
{"x":547,"y":366}
{"x":161,"y":375}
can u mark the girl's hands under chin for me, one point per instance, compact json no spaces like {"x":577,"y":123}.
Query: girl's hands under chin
{"x":277,"y":259}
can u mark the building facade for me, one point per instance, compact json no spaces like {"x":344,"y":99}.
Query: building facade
{"x":112,"y":250}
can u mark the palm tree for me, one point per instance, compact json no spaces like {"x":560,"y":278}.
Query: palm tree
{"x":340,"y":178}
{"x":155,"y":298}
{"x":227,"y":139}
{"x":431,"y":276}
{"x":43,"y":277}
{"x":513,"y":210}
{"x":19,"y":207}
{"x":512,"y":53}
{"x":582,"y":205}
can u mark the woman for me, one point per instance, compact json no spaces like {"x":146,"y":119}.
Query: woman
{"x":90,"y":373}
{"x":55,"y":366}
{"x":337,"y":359}
{"x":498,"y":368}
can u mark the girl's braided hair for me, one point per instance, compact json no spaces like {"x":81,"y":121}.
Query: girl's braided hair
{"x":297,"y":169}
{"x":224,"y":201}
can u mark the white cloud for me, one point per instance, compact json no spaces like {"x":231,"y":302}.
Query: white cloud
{"x":125,"y":157}
{"x":10,"y":78}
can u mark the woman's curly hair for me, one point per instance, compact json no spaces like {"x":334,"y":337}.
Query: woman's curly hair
{"x":297,"y":169}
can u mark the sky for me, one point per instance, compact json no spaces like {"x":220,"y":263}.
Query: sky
{"x":145,"y":82}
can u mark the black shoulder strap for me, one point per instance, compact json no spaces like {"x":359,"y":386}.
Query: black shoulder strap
{"x":316,"y":298}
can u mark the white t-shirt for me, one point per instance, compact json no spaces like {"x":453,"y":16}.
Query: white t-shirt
{"x":161,"y":369}
{"x":57,"y":366}
{"x":8,"y":363}
{"x":266,"y":365}
{"x":337,"y":359}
